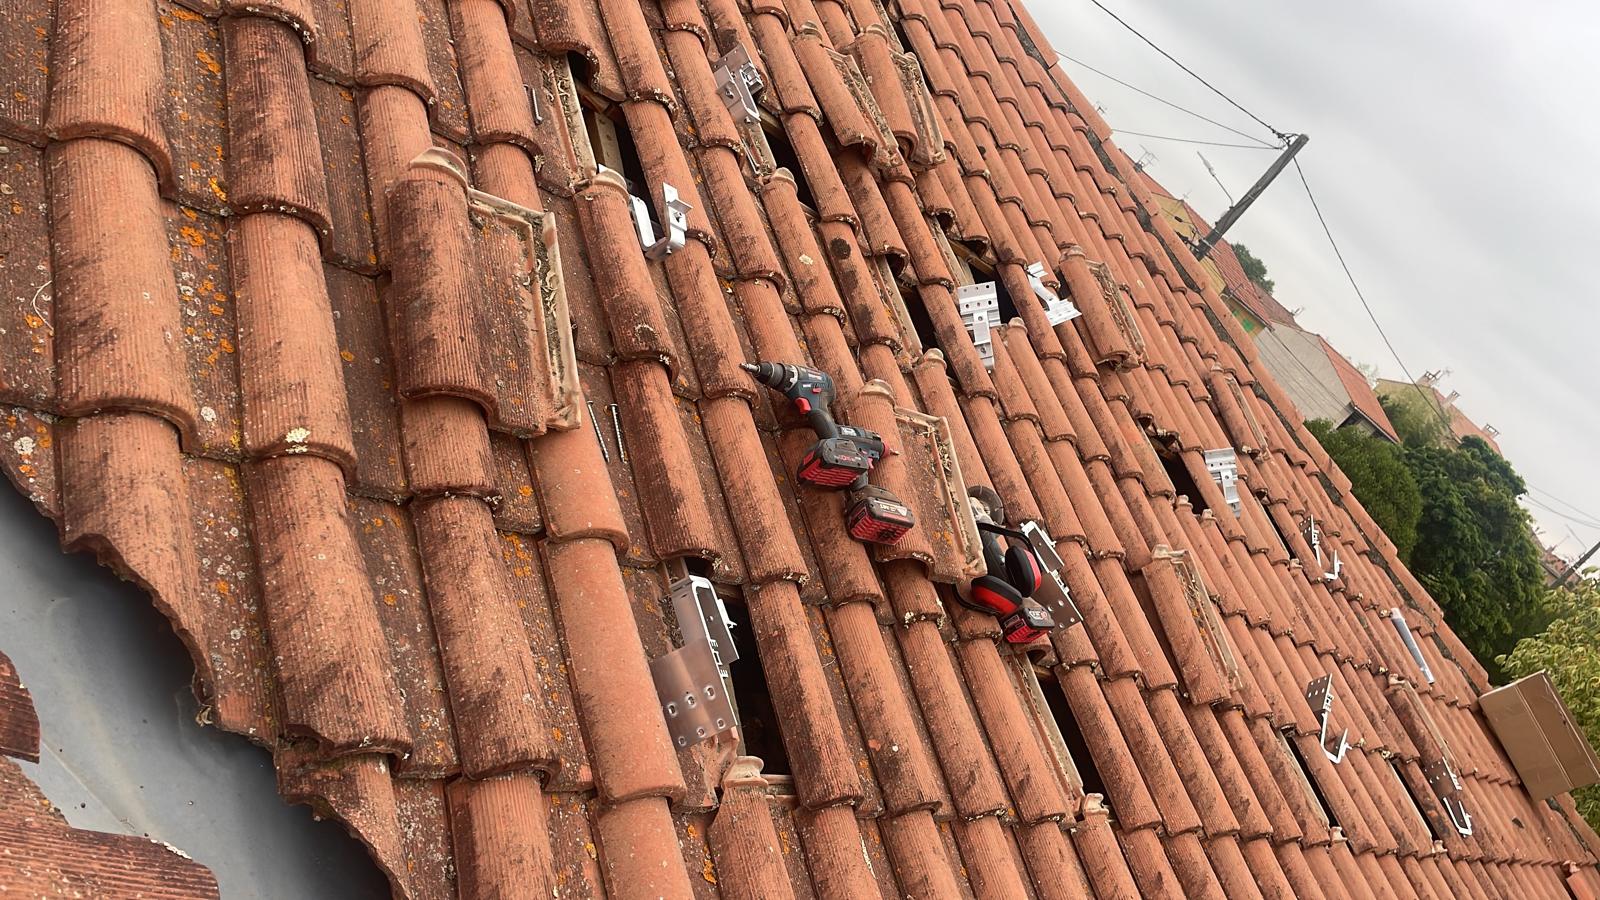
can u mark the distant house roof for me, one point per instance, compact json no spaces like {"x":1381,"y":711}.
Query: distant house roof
{"x":1222,"y":258}
{"x":1460,"y":425}
{"x":1362,"y":397}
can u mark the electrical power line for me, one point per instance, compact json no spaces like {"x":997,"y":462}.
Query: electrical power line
{"x":1556,"y":512}
{"x":1585,"y":513}
{"x":1142,"y":91}
{"x":1163,"y":137}
{"x":1359,"y":295}
{"x":1282,"y":136}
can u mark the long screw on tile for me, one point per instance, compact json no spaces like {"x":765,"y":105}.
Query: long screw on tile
{"x":616,"y":425}
{"x":598,"y":436}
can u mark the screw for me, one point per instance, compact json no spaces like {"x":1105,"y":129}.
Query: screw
{"x":616,"y":425}
{"x":604,"y":454}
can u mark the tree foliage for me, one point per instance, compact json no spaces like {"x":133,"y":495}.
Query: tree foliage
{"x":1254,"y":269}
{"x":1381,"y":480}
{"x":1569,"y":650}
{"x":1475,"y":551}
{"x":1416,"y":421}
{"x":1452,"y":512}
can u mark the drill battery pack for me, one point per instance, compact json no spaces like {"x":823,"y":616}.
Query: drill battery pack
{"x":833,"y":463}
{"x":1026,"y":624}
{"x":877,"y":517}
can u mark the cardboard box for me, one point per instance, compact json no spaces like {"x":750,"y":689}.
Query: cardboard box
{"x":1550,"y":752}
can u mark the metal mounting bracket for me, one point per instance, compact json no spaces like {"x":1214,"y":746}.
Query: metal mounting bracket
{"x":1319,"y":693}
{"x":1053,"y":594}
{"x":677,"y":222}
{"x":1398,"y":619}
{"x":738,"y":82}
{"x":1223,"y":464}
{"x":693,"y":682}
{"x":1056,"y":309}
{"x":979,"y":305}
{"x":1447,"y":787}
{"x":1313,"y":536}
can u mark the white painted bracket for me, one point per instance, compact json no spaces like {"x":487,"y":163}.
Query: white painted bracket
{"x":1223,"y":464}
{"x":1319,"y":693}
{"x":1056,"y":309}
{"x":979,"y":305}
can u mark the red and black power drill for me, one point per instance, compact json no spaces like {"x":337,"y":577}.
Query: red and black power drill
{"x":843,"y":455}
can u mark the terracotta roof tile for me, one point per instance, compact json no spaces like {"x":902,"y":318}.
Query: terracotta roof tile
{"x":454,"y":564}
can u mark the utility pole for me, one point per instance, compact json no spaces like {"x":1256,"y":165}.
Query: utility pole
{"x":1577,"y":565}
{"x":1238,"y":209}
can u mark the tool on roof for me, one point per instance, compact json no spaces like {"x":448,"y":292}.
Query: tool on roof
{"x":1056,"y":309}
{"x":979,"y":305}
{"x":693,"y":682}
{"x":1014,"y":571}
{"x":1319,"y":693}
{"x":1398,"y":619}
{"x":842,"y":457}
{"x":1223,"y":464}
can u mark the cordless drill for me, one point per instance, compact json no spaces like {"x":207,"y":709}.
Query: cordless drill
{"x":843,"y":455}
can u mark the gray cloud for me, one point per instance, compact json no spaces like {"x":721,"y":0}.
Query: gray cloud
{"x":1452,"y":151}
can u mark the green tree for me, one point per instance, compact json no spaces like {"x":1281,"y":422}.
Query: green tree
{"x":1568,"y":648}
{"x":1416,"y":421}
{"x":1475,"y":551}
{"x":1452,"y":513}
{"x":1381,"y":480}
{"x":1254,"y":269}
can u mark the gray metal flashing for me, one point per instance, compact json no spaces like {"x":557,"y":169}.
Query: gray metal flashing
{"x":122,"y":751}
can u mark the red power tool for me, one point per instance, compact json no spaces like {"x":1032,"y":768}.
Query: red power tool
{"x":1013,"y":572}
{"x":843,"y":455}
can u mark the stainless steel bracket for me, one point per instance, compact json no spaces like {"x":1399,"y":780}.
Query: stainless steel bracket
{"x":738,"y":83}
{"x":1319,"y":693}
{"x":979,"y":305}
{"x":693,"y":682}
{"x":676,"y":221}
{"x":1053,"y":594}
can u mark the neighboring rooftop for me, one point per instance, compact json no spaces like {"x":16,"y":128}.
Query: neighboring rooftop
{"x":1427,"y":388}
{"x":332,"y":329}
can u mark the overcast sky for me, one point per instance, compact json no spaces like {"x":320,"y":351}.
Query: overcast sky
{"x":1449,"y":143}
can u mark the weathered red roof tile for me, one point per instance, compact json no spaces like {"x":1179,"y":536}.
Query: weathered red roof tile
{"x":19,"y":724}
